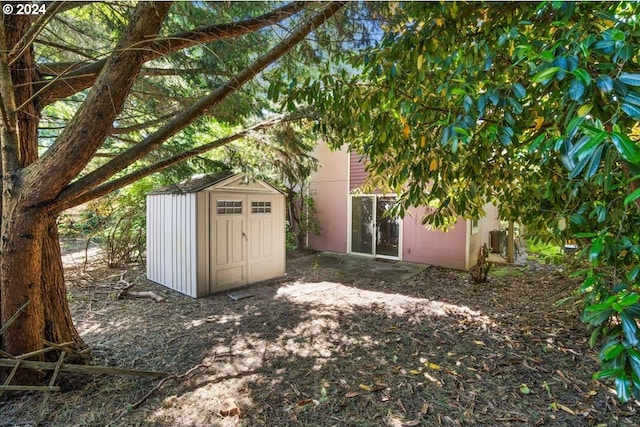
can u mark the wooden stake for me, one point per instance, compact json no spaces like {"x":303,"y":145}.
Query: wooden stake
{"x":14,"y":317}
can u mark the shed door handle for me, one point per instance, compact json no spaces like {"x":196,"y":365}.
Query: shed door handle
{"x":245,"y":236}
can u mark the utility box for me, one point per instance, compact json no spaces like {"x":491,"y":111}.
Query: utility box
{"x":495,"y":238}
{"x":214,"y":233}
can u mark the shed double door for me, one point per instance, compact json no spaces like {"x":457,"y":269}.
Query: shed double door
{"x":245,"y":239}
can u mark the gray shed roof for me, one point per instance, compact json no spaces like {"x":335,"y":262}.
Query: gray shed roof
{"x":194,"y":184}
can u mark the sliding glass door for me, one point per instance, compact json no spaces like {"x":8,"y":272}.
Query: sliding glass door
{"x":373,"y":232}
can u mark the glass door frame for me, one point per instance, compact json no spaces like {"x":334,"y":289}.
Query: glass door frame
{"x":374,"y":227}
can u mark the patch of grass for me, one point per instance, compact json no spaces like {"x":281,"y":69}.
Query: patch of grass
{"x":501,"y":272}
{"x":545,"y":253}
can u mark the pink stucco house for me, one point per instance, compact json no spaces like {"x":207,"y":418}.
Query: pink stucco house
{"x":353,"y":222}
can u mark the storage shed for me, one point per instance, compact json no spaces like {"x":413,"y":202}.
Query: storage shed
{"x":215,"y":232}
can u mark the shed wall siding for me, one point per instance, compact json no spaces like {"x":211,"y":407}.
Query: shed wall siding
{"x":171,"y":241}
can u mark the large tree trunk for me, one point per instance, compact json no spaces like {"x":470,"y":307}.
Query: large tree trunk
{"x":22,"y":232}
{"x":30,"y":262}
{"x":58,"y":326}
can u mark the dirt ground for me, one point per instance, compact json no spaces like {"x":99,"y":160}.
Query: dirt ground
{"x":341,"y":341}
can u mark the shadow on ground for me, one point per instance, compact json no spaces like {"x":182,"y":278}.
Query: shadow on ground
{"x":341,"y":341}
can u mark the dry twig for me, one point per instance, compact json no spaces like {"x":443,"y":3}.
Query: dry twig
{"x":161,"y":383}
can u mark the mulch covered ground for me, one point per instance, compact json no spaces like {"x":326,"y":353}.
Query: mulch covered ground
{"x":334,"y":345}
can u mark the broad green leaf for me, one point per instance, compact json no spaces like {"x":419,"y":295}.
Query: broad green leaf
{"x":630,"y":329}
{"x":623,"y":386}
{"x":604,"y":83}
{"x":583,"y":76}
{"x":519,"y":91}
{"x":594,"y":164}
{"x":584,"y":110}
{"x":596,"y":318}
{"x":587,"y":235}
{"x":632,"y":197}
{"x":626,"y":147}
{"x":594,"y":336}
{"x":579,"y":167}
{"x":576,"y":89}
{"x":634,"y":359}
{"x":631,"y":110}
{"x":620,"y":88}
{"x":632,"y":98}
{"x":596,"y":249}
{"x":467,"y":103}
{"x":611,"y":350}
{"x":516,"y":107}
{"x":605,"y":45}
{"x":630,"y":299}
{"x":630,"y":79}
{"x":536,"y":143}
{"x":545,"y":74}
{"x":607,"y":373}
{"x":589,"y":145}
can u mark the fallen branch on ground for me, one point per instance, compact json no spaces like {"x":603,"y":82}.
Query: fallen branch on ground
{"x":161,"y":383}
{"x":125,"y":290}
{"x":90,"y":369}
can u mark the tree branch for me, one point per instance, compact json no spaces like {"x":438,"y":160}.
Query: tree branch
{"x":86,"y":132}
{"x":132,"y":177}
{"x":80,"y":78}
{"x":141,"y":126}
{"x":185,"y":118}
{"x":33,"y":32}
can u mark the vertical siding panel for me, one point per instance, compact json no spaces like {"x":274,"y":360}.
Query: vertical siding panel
{"x":186,"y":235}
{"x":190,"y":217}
{"x":156,"y":231}
{"x":172,"y":244}
{"x":166,"y":232}
{"x":179,"y":256}
{"x":175,"y":244}
{"x":193,"y":245}
{"x":150,"y":237}
{"x":179,"y":248}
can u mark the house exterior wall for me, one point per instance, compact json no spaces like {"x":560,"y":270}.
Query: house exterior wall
{"x":424,"y":245}
{"x":357,"y":172}
{"x":171,"y":241}
{"x":341,"y":172}
{"x":329,"y":188}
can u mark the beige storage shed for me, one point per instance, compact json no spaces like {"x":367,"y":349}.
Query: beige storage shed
{"x":214,"y":233}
